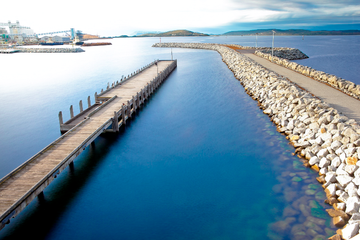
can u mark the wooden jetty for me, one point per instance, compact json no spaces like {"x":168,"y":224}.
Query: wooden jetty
{"x":112,"y":109}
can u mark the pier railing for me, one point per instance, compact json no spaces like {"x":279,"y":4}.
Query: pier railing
{"x":112,"y":124}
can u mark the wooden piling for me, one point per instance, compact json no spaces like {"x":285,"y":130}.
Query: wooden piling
{"x":71,"y":111}
{"x":133,"y":103}
{"x":123,"y":114}
{"x":115,"y":122}
{"x":89,"y":102}
{"x":81,"y":106}
{"x":61,"y":118}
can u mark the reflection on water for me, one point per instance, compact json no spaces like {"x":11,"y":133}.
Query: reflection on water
{"x":200,"y":160}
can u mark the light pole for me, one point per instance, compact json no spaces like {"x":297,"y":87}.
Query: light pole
{"x":272,"y":51}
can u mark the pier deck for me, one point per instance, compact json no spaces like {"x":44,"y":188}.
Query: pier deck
{"x":22,"y":185}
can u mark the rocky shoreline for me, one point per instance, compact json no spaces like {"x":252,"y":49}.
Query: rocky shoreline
{"x":326,"y":140}
{"x":343,"y":85}
{"x":49,"y":50}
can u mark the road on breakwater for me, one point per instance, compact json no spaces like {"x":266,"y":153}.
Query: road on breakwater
{"x":337,"y":99}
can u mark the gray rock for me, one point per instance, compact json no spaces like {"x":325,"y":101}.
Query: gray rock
{"x":343,"y":196}
{"x":330,"y":177}
{"x":350,"y":230}
{"x":332,"y":190}
{"x":355,"y":218}
{"x":314,"y":160}
{"x":324,"y":163}
{"x":344,"y":179}
{"x":348,"y":131}
{"x":352,"y":207}
{"x":336,"y":162}
{"x":350,"y":169}
{"x":335,"y":145}
{"x":322,"y":153}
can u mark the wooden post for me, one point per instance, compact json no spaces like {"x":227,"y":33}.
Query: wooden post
{"x":96,"y":97}
{"x":71,"y":111}
{"x":89,"y":102}
{"x":142,"y":96}
{"x":134,"y":103}
{"x":61,"y":118}
{"x":81,"y":106}
{"x":108,"y":86}
{"x":115,"y":122}
{"x":123,"y":114}
{"x":128,"y":109}
{"x":137,"y":100}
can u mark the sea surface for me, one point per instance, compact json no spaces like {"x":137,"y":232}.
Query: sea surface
{"x":199,"y":160}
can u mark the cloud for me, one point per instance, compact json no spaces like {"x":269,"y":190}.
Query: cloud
{"x":110,"y":17}
{"x":297,"y":12}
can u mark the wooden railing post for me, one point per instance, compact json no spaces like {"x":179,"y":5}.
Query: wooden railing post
{"x":134,"y":103}
{"x":71,"y":111}
{"x":61,"y":118}
{"x":115,"y":122}
{"x":89,"y":102}
{"x":128,"y":109}
{"x":123,"y":114}
{"x":81,"y":106}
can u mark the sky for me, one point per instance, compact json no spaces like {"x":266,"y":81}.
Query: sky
{"x":127,"y":17}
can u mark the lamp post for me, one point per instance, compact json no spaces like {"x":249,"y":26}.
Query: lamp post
{"x":272,"y":51}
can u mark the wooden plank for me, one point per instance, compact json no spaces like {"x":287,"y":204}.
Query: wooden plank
{"x":41,"y":167}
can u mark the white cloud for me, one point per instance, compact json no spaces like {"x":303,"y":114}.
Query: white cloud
{"x":110,"y":17}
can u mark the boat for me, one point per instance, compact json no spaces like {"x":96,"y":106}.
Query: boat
{"x":51,"y":43}
{"x":96,"y":44}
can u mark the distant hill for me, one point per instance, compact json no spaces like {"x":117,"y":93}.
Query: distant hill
{"x":86,"y":36}
{"x":175,"y":33}
{"x":263,"y":32}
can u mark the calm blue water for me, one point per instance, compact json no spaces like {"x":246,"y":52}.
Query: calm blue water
{"x":199,"y":161}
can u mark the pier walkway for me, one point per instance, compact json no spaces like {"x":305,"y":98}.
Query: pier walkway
{"x":113,"y":107}
{"x":344,"y":103}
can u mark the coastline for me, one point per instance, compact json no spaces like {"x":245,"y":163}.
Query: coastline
{"x":325,"y":139}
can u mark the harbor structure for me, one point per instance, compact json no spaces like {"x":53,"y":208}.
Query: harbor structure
{"x":112,"y":109}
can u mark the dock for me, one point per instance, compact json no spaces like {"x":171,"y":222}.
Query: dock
{"x":112,"y":109}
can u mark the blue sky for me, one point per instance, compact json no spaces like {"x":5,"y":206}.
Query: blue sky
{"x":110,"y":17}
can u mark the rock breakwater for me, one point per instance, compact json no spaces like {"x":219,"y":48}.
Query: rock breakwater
{"x":343,"y":85}
{"x":49,"y":50}
{"x":326,"y":140}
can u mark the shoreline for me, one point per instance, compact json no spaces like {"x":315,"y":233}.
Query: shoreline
{"x":325,"y":139}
